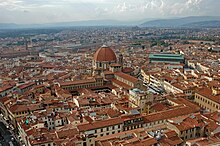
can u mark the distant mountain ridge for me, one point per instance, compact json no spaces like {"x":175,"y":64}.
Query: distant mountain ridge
{"x":204,"y":24}
{"x":183,"y":22}
{"x":3,"y":25}
{"x":73,"y":23}
{"x":192,"y":21}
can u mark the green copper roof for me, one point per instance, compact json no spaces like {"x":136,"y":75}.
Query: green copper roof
{"x":166,"y":56}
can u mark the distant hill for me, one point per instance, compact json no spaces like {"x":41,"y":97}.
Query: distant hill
{"x":204,"y":24}
{"x":193,"y":21}
{"x":73,"y":23}
{"x":92,"y":23}
{"x":7,"y":25}
{"x":180,"y":22}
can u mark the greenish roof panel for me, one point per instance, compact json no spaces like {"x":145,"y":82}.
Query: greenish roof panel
{"x":166,"y":56}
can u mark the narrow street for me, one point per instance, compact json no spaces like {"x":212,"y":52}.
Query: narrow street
{"x":7,"y":136}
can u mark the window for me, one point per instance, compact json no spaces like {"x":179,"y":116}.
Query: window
{"x":107,"y":133}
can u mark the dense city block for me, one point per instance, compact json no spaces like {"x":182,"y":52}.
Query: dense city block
{"x":110,"y":86}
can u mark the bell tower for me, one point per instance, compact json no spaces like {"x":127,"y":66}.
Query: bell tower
{"x":120,"y":60}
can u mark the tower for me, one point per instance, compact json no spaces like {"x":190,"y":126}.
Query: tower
{"x":26,"y":44}
{"x":120,"y":60}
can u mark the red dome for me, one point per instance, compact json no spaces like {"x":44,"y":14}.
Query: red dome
{"x":104,"y":54}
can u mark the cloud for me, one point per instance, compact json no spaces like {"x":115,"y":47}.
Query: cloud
{"x":29,"y":11}
{"x":152,"y":4}
{"x":101,"y":11}
{"x":122,"y":7}
{"x":126,"y":7}
{"x":172,"y":7}
{"x":186,"y":7}
{"x":10,"y":4}
{"x":26,"y":11}
{"x":193,"y":3}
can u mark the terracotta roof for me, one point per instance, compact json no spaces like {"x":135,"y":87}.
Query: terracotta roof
{"x":26,"y":85}
{"x":171,"y":141}
{"x":186,"y":124}
{"x":4,"y":88}
{"x":162,"y":115}
{"x":127,"y":70}
{"x":99,"y":124}
{"x":67,"y":133}
{"x":5,"y":99}
{"x":104,"y":54}
{"x":67,"y":83}
{"x":18,"y":108}
{"x":170,"y":133}
{"x":126,"y":77}
{"x":159,"y":107}
{"x":115,"y":65}
{"x":107,"y":72}
{"x":184,"y":101}
{"x":207,"y":92}
{"x":121,"y":84}
{"x":214,"y":116}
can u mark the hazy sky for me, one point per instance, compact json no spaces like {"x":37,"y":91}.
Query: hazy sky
{"x":46,"y":11}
